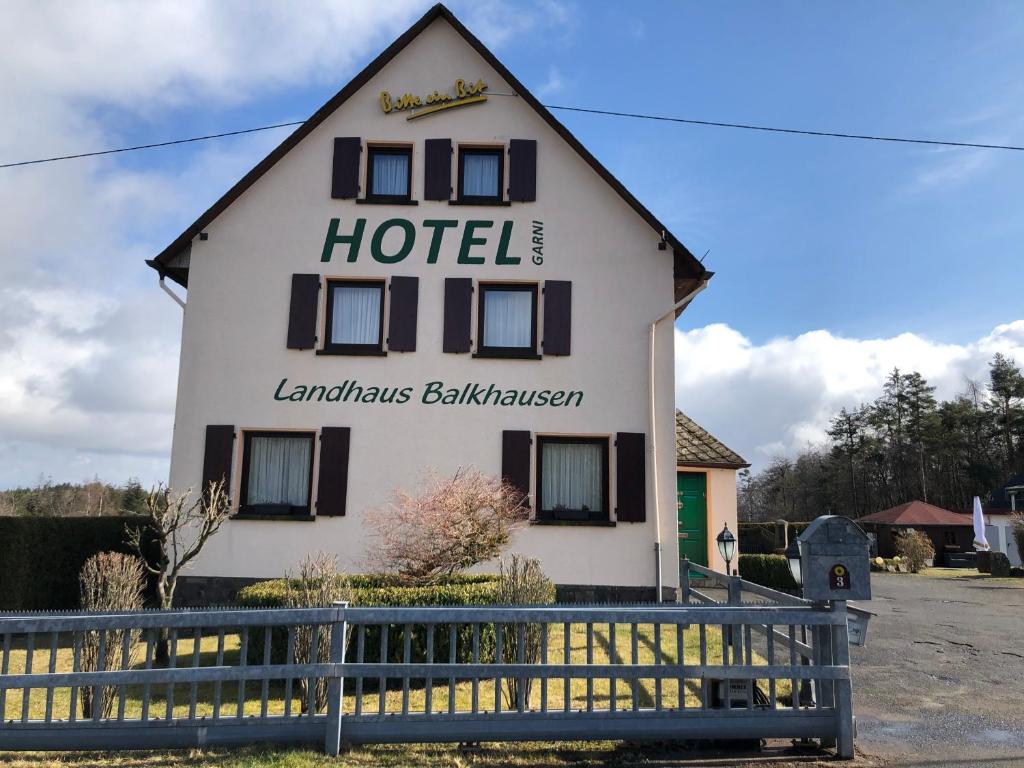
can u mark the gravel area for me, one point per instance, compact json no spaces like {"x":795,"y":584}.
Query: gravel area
{"x":941,"y":681}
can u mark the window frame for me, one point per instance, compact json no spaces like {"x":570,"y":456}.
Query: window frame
{"x":575,"y":515}
{"x":498,"y":198}
{"x":331,"y":348}
{"x":247,"y":509}
{"x":373,"y":150}
{"x":523,"y":353}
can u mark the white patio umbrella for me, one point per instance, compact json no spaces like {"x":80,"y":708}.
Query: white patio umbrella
{"x":980,"y":542}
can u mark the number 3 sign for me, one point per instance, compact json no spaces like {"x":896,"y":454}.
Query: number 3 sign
{"x":839,"y":577}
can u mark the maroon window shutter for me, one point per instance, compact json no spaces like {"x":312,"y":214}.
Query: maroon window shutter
{"x":332,"y":487}
{"x":402,"y":318}
{"x":557,"y":317}
{"x":522,"y":170}
{"x":631,"y":477}
{"x":437,"y":169}
{"x":345,"y":176}
{"x":515,"y":460}
{"x":302,"y":312}
{"x":458,"y":310}
{"x":220,"y":448}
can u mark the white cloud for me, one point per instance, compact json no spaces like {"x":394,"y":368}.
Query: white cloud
{"x":552,"y":85}
{"x":778,"y":397}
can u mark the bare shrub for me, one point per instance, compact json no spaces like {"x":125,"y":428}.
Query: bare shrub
{"x":109,"y":582}
{"x":316,"y":584}
{"x":522,"y":583}
{"x":915,"y":548}
{"x":452,"y":524}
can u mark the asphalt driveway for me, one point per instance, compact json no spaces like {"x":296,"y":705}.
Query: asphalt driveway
{"x":941,"y":681}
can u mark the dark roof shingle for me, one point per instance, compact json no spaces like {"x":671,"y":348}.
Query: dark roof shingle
{"x":696,"y":447}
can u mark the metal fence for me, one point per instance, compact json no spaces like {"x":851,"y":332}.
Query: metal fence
{"x":431,"y":674}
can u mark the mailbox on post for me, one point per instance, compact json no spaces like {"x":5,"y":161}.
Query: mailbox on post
{"x":834,"y":560}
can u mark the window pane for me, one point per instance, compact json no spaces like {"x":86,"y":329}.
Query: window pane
{"x":572,"y":476}
{"x":390,"y":174}
{"x":480,"y":175}
{"x":508,"y":319}
{"x":279,"y":470}
{"x":356,"y":315}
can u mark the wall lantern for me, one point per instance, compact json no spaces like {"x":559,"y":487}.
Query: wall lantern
{"x":727,"y":546}
{"x":793,"y":559}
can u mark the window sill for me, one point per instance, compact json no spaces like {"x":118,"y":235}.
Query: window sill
{"x":507,"y":356}
{"x":372,"y":201}
{"x":275,"y":518}
{"x":592,"y":523}
{"x":353,"y":352}
{"x":496,"y":203}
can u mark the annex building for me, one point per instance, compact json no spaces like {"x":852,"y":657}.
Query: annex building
{"x":431,"y":273}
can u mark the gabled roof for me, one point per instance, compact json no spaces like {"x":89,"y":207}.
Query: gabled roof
{"x":1000,"y":501}
{"x":696,"y":447}
{"x":917,"y":513}
{"x":689,"y":273}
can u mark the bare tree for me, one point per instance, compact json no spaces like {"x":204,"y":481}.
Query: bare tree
{"x":452,"y":524}
{"x":181,"y":525}
{"x":522,"y":583}
{"x":109,"y":581}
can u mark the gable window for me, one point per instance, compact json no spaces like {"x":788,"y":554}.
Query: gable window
{"x":355,"y":317}
{"x":480,"y":175}
{"x":277,"y":473}
{"x":508,"y":320}
{"x":572,"y":479}
{"x":389,"y":174}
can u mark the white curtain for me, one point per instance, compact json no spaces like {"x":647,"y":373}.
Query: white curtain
{"x":572,"y":476}
{"x":356,"y":316}
{"x":508,"y":318}
{"x":390,"y":174}
{"x":480,"y":175}
{"x":279,"y":470}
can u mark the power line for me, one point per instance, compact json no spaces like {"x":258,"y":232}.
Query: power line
{"x":150,"y":146}
{"x":604,"y":112}
{"x":830,"y":134}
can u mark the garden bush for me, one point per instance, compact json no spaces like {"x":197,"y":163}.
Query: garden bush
{"x":914,"y":548}
{"x":770,"y":571}
{"x":373,"y":590}
{"x":42,"y":557}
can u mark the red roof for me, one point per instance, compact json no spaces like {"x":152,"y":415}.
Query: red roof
{"x":917,"y":513}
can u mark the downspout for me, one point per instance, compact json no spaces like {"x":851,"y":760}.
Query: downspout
{"x":172,"y":294}
{"x":678,"y":306}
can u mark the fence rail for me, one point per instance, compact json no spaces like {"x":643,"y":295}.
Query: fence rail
{"x":367,"y":675}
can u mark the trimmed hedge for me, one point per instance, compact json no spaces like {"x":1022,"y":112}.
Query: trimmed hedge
{"x":759,"y":538}
{"x":769,"y":571}
{"x":370,"y":590}
{"x":41,"y":557}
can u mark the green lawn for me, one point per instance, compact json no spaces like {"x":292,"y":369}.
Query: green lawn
{"x":624,"y":689}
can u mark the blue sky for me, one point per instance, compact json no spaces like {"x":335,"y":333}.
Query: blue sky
{"x":834,"y":259}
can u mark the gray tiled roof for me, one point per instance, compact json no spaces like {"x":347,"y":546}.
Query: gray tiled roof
{"x":695,"y":446}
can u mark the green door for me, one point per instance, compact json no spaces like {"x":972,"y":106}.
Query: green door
{"x":692,"y":496}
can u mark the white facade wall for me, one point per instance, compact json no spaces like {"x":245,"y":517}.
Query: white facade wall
{"x":233,"y":354}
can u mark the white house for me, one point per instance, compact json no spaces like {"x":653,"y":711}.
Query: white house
{"x":430,"y":273}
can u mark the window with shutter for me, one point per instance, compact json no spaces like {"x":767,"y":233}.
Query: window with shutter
{"x":277,"y":473}
{"x":572,"y":479}
{"x":345,"y":175}
{"x":402,"y":315}
{"x":515,"y":460}
{"x":557,"y":317}
{"x":332,"y":487}
{"x":217,"y":455}
{"x":389,"y":175}
{"x":522,"y":172}
{"x":302,"y":311}
{"x":631,"y":477}
{"x":355,"y":318}
{"x":437,"y":169}
{"x":458,"y":309}
{"x":507,"y":320}
{"x":481,"y":174}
